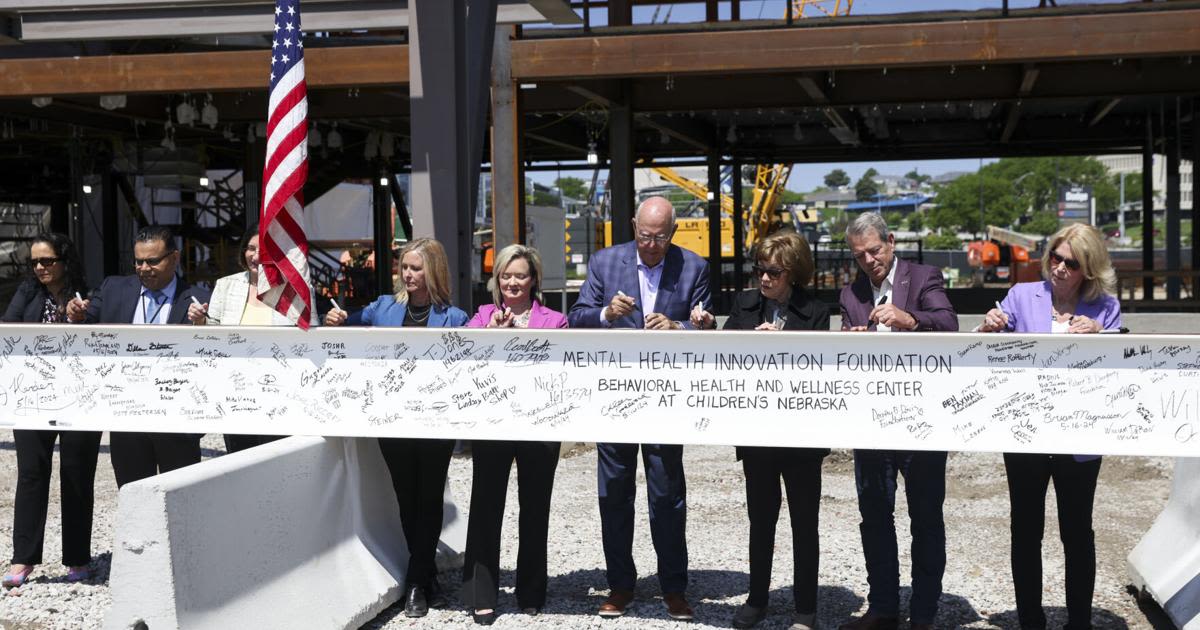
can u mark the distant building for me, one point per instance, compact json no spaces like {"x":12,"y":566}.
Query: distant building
{"x":1118,"y":164}
{"x":946,"y":178}
{"x":830,"y":199}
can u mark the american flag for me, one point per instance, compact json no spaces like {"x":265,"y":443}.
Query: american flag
{"x":283,"y":282}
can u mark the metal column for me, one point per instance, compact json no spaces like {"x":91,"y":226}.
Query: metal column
{"x":620,"y":163}
{"x":109,"y":223}
{"x":508,"y":167}
{"x":739,"y":233}
{"x":1173,"y":235}
{"x":1148,"y":208}
{"x":714,"y":229}
{"x":381,"y":204}
{"x":450,"y":44}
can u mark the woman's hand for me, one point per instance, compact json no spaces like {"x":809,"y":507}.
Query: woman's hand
{"x":993,"y":321}
{"x":501,"y":318}
{"x":77,"y":309}
{"x":336,"y":317}
{"x":1082,"y":324}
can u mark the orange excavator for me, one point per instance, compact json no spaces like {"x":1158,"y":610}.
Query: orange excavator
{"x":1004,"y":257}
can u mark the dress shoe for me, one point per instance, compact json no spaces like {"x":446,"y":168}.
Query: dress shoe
{"x":921,"y":626}
{"x":434,"y":594}
{"x":616,"y":603}
{"x":532,"y":611}
{"x":16,"y":577}
{"x":749,"y":616}
{"x":484,"y":618}
{"x":78,"y":574}
{"x":803,"y":621}
{"x":677,"y":607}
{"x":416,"y":604}
{"x":871,"y":622}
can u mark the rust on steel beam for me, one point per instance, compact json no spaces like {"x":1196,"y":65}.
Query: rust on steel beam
{"x":358,"y":66}
{"x":1013,"y":40}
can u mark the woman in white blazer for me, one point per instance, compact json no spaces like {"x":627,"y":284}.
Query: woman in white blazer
{"x":235,"y":302}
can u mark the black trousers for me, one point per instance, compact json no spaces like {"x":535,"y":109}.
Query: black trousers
{"x":140,"y":455}
{"x":418,"y":469}
{"x":77,"y":473}
{"x":1029,"y":476}
{"x":491,"y":462}
{"x":801,"y":473}
{"x":235,"y":443}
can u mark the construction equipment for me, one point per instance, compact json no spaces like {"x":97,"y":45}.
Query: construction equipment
{"x":762,"y":217}
{"x":828,"y":8}
{"x":1004,"y":257}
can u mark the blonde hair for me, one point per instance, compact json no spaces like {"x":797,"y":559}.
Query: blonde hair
{"x":505,"y":258}
{"x":437,"y":270}
{"x":792,"y":252}
{"x":1087,"y":246}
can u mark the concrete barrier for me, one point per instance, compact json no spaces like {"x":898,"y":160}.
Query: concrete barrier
{"x":1166,"y":563}
{"x":299,"y":533}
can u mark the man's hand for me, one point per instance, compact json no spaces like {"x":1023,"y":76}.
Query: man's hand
{"x":766,"y":326}
{"x":336,"y":317}
{"x":620,"y":306}
{"x":77,"y":309}
{"x":701,"y":318}
{"x":892,"y":317}
{"x":658,"y":321}
{"x":198,"y":313}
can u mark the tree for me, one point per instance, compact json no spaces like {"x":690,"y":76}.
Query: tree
{"x":916,"y":176}
{"x":893,"y":218}
{"x":865,"y":188}
{"x":837,"y":178}
{"x":942,"y":241}
{"x":572,"y":187}
{"x":1044,"y":223}
{"x":1036,"y":181}
{"x":958,"y":203}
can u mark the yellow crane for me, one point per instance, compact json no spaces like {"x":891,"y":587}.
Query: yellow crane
{"x":828,"y":8}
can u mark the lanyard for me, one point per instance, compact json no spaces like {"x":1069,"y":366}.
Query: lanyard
{"x":153,"y":317}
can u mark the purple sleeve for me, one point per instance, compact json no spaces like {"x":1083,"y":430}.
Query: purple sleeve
{"x":934,"y":311}
{"x":480,"y":320}
{"x":1110,"y":319}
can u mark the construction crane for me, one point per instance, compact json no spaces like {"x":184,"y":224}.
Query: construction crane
{"x":828,"y":8}
{"x":761,"y":217}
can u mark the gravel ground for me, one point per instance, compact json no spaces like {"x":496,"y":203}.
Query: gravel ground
{"x":978,"y":594}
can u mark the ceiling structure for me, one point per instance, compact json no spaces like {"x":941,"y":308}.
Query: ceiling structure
{"x":1079,"y":81}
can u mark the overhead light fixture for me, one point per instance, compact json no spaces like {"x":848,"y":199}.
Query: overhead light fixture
{"x":592,"y":157}
{"x":383,"y":181}
{"x":797,"y":134}
{"x":208,"y":115}
{"x":185,"y":113}
{"x":87,"y":189}
{"x":314,"y":136}
{"x":732,"y":136}
{"x":204,"y":182}
{"x":528,"y":86}
{"x":42,"y":101}
{"x":333,"y":139}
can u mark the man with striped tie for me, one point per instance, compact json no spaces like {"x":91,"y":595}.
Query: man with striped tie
{"x":153,"y":295}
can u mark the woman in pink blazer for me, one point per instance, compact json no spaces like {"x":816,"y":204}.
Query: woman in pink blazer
{"x":515,"y":286}
{"x":1076,"y":297}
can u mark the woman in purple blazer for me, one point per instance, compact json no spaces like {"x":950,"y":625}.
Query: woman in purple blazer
{"x":1075,"y":297}
{"x":515,"y":287}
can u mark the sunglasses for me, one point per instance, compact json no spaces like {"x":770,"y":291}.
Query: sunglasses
{"x":149,"y":262}
{"x":774,"y":272}
{"x":45,"y":262}
{"x":1056,"y":260}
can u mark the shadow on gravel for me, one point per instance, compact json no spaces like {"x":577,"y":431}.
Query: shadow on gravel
{"x":205,"y":453}
{"x":1056,"y":616}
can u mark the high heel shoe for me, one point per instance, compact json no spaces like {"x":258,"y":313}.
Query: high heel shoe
{"x":15,"y":578}
{"x":483,"y":618}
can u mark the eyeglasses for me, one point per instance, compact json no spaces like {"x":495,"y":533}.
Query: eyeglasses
{"x":646,"y":239}
{"x":774,"y":272}
{"x":150,"y":262}
{"x":1056,"y":260}
{"x":45,"y":262}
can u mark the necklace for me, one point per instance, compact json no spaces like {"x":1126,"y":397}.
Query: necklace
{"x":420,"y":317}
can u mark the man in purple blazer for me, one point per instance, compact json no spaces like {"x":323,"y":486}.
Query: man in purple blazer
{"x":645,"y":284}
{"x":895,"y":295}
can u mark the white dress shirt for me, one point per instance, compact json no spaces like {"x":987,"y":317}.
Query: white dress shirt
{"x":884,"y":290}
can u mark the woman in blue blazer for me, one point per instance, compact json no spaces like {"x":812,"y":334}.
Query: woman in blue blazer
{"x":1075,"y":297}
{"x":418,"y":467}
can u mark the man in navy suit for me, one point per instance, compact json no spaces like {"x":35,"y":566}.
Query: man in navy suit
{"x":895,"y":295}
{"x":153,"y":295}
{"x":649,"y":284}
